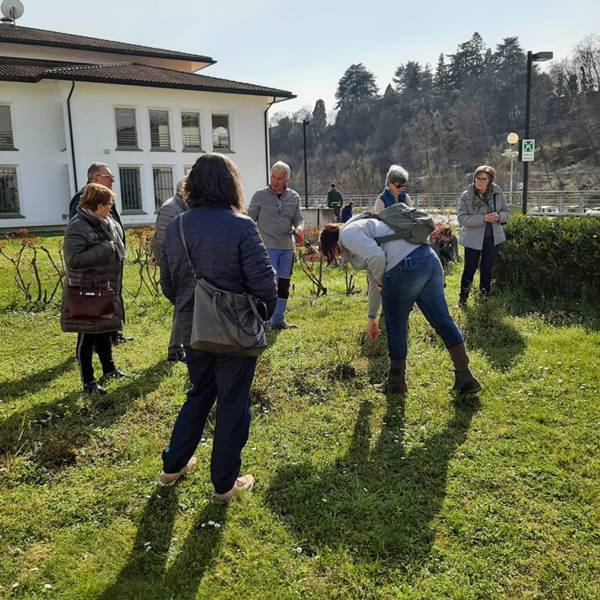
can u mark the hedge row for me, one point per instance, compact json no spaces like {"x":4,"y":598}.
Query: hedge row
{"x":551,"y":257}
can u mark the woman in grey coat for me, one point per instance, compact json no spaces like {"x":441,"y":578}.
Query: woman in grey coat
{"x":94,"y":255}
{"x":482,"y":211}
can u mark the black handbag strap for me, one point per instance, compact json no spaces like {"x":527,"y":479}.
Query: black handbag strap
{"x":187,"y":253}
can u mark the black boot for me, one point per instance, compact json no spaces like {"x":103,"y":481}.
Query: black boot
{"x":464,"y":382}
{"x":464,"y":295}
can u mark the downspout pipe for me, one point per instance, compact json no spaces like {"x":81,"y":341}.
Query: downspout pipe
{"x":71,"y":135}
{"x":267,"y":153}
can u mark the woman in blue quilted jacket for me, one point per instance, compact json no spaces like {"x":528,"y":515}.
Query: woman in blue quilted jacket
{"x":225,"y":249}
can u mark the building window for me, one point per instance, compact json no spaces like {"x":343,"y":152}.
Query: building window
{"x":190,"y":131}
{"x":163,"y":185}
{"x":160,"y":138}
{"x":7,"y":141}
{"x":131,"y":189}
{"x":9,"y":193}
{"x":126,"y":129}
{"x":220,"y":133}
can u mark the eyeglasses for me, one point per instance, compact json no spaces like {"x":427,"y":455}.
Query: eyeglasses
{"x":109,"y":175}
{"x":398,"y":185}
{"x":480,"y":178}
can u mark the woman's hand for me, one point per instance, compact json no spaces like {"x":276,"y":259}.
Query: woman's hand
{"x":372,"y":329}
{"x":491,"y":217}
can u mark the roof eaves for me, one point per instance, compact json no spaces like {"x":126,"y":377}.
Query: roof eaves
{"x":167,"y":85}
{"x":149,"y":52}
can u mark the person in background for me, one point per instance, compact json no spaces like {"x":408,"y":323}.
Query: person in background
{"x":94,"y":252}
{"x":226,"y":249}
{"x":347,"y":212}
{"x":99,"y":172}
{"x":393,"y":192}
{"x":335,"y":201}
{"x":277,"y":212}
{"x":482,"y":211}
{"x":166,"y":213}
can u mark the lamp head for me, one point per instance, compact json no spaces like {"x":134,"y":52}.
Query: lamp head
{"x":542,"y":56}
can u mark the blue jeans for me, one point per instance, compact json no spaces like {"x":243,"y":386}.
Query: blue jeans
{"x":282,"y":261}
{"x":214,"y":375}
{"x":417,"y":278}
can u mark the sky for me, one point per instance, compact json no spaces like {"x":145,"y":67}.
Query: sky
{"x":305,"y":46}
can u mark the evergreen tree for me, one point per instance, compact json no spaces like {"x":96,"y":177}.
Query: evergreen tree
{"x":357,"y":85}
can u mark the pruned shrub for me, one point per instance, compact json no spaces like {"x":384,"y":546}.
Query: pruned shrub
{"x":551,"y":257}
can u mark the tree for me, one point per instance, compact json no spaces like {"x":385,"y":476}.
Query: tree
{"x":467,"y":63}
{"x":357,"y":85}
{"x":318,"y":121}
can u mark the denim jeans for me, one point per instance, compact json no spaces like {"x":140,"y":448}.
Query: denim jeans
{"x":417,"y":278}
{"x":282,"y":261}
{"x":226,"y":379}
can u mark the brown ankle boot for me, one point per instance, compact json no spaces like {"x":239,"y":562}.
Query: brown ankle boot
{"x":464,"y":382}
{"x":396,"y":379}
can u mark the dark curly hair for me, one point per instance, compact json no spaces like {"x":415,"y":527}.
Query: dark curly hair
{"x":214,"y":181}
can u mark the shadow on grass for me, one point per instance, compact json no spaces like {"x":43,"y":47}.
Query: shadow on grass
{"x":374,"y":503}
{"x":487,"y":329}
{"x":145,"y":574}
{"x":32,"y":383}
{"x":51,"y":432}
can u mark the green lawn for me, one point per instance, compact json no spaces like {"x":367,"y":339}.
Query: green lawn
{"x":357,"y":496}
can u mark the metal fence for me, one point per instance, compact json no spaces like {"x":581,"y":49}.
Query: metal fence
{"x":538,"y":202}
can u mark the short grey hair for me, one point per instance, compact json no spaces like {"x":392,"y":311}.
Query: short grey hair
{"x":94,"y":169}
{"x":281,"y":167}
{"x":396,"y":175}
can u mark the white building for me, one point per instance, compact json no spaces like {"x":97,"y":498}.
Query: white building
{"x":67,"y":101}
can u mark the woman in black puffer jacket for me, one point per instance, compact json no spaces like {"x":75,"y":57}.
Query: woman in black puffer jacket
{"x":94,"y":255}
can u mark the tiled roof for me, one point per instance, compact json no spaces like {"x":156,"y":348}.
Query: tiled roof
{"x":20,"y":69}
{"x":40,"y":37}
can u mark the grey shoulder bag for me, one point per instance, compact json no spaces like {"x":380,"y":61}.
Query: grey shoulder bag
{"x":224,"y":322}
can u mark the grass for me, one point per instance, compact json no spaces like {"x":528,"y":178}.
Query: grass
{"x":357,"y":496}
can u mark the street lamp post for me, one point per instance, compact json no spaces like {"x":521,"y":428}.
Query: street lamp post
{"x":531,"y":58}
{"x":512,"y":139}
{"x":304,"y":124}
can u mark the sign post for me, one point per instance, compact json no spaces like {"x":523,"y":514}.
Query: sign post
{"x":527,"y":150}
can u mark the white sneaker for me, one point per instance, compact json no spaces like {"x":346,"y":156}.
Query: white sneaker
{"x":168,"y":479}
{"x":245,"y":483}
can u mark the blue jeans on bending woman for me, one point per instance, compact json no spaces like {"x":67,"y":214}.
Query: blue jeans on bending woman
{"x":418,"y":278}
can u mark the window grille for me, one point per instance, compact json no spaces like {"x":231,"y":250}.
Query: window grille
{"x":9,"y":192}
{"x":126,"y":130}
{"x":220,"y":132}
{"x":131,"y":189}
{"x":7,"y":141}
{"x":190,"y":130}
{"x":160,"y":138}
{"x":163,"y":185}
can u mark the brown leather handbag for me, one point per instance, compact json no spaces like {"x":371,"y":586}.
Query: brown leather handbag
{"x":87,"y":306}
